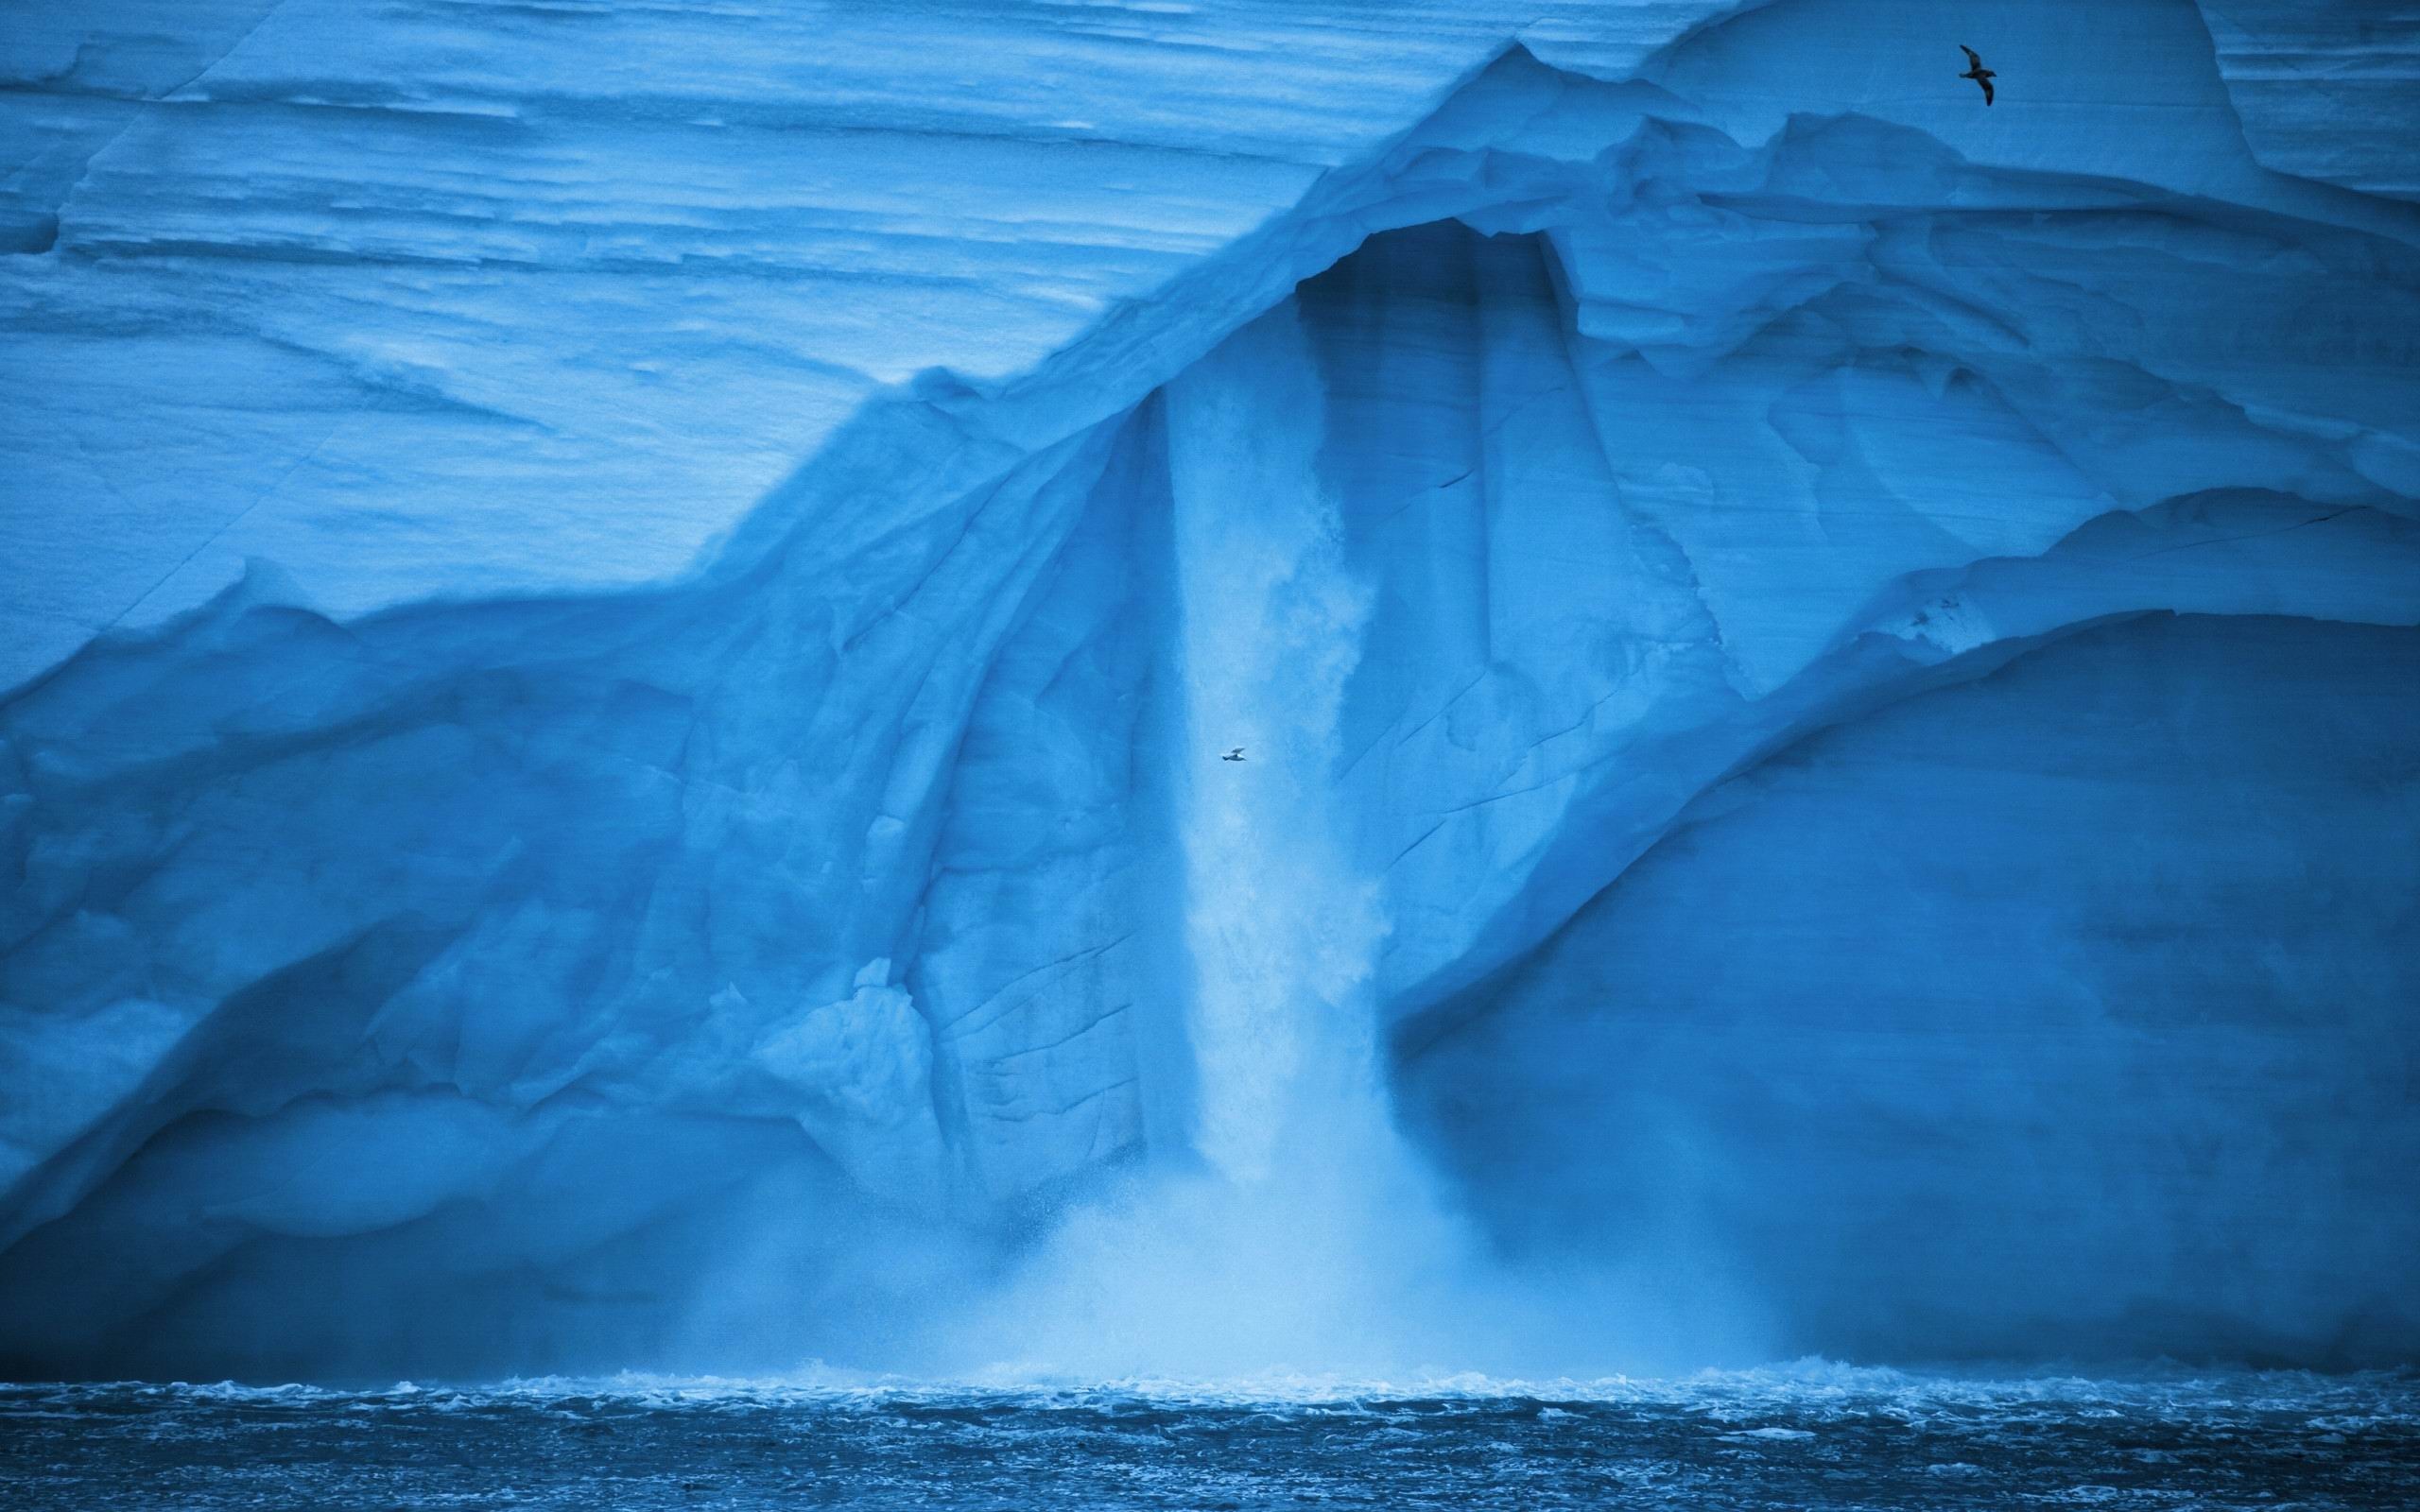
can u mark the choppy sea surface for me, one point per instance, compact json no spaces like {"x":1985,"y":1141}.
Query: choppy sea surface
{"x":1812,"y":1435}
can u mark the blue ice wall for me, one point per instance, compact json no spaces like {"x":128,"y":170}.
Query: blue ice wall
{"x":2082,"y":987}
{"x":1825,"y":677}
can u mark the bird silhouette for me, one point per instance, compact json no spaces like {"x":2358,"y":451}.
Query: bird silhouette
{"x":1976,"y":71}
{"x":1234,"y":755}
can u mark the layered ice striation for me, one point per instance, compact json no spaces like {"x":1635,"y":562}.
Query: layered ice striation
{"x":623,"y":624}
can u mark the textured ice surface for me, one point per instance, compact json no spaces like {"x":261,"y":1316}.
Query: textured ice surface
{"x":621,"y":621}
{"x":569,"y":289}
{"x":2302,"y":72}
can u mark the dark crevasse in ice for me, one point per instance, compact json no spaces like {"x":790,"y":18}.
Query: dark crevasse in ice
{"x":1853,"y":745}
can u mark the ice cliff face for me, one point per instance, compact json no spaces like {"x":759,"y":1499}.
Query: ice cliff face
{"x":1826,"y":676}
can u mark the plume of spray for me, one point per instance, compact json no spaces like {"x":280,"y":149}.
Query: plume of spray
{"x":1306,"y":1236}
{"x":1293,"y":1237}
{"x":1282,"y":934}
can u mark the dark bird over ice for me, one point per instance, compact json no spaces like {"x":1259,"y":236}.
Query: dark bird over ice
{"x":1976,"y":71}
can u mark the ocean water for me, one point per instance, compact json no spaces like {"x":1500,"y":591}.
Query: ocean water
{"x":1807,"y":1436}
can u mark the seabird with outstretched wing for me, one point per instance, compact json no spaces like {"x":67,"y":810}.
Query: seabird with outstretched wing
{"x":1976,"y":71}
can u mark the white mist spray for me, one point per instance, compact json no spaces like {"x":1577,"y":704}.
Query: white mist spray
{"x":1306,"y":1239}
{"x":1283,"y":935}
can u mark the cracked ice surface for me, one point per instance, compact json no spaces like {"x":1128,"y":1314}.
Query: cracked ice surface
{"x":1683,"y":434}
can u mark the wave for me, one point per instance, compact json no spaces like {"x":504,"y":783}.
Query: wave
{"x":1812,"y":1389}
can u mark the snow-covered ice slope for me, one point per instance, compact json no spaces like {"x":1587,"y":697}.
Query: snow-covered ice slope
{"x":2326,"y":88}
{"x":622,"y":619}
{"x":569,"y":287}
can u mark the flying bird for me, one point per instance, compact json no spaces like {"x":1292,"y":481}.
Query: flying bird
{"x":1234,"y":755}
{"x":1976,"y":71}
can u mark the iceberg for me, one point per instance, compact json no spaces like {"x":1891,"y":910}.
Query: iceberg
{"x":620,"y":625}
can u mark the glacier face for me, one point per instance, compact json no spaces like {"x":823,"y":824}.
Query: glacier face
{"x":1825,"y":676}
